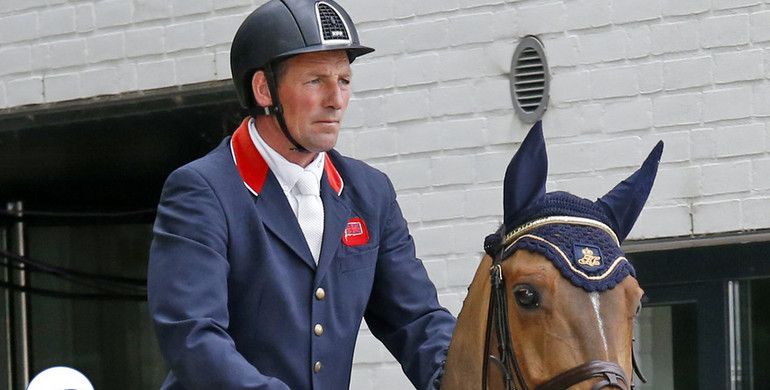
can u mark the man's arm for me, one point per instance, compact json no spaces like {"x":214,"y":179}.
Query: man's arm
{"x":403,"y":311}
{"x":187,"y":290}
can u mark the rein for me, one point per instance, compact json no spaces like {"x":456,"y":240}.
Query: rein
{"x":507,"y":363}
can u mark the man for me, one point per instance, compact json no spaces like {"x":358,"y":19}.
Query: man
{"x":269,"y":251}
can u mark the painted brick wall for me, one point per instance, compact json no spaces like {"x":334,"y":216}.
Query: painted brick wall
{"x":58,"y":50}
{"x":432,"y":106}
{"x":624,"y":75}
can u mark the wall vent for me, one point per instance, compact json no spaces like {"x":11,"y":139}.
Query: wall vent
{"x":529,"y":80}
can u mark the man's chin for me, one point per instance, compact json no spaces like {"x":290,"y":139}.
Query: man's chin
{"x":322,"y":145}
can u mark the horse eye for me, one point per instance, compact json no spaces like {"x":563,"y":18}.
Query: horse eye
{"x":526,"y":297}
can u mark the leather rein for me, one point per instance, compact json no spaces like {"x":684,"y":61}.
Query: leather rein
{"x":497,"y":319}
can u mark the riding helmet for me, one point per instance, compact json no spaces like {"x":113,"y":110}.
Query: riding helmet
{"x":283,"y":28}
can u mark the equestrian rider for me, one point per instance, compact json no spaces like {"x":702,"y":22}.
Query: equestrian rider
{"x":270,"y":250}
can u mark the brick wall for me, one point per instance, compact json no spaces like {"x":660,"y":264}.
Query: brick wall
{"x":58,"y":50}
{"x":432,"y":105}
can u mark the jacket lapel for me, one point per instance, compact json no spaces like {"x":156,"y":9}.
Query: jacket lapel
{"x":277,"y":216}
{"x":336,"y":215}
{"x":274,"y":209}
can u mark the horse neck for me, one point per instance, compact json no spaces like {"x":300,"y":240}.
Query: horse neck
{"x":464,"y":363}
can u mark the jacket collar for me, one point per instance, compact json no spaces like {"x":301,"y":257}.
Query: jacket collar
{"x":253,"y":168}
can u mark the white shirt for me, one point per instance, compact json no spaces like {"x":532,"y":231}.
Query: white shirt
{"x":284,"y":170}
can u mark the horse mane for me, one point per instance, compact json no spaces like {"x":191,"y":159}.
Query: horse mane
{"x":472,"y":323}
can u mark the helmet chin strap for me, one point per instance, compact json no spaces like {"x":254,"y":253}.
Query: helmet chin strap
{"x":277,"y":109}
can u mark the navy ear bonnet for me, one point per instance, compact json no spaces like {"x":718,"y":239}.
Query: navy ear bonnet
{"x":582,"y":238}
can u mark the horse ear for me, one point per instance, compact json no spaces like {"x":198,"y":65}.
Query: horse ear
{"x":624,"y":203}
{"x":525,"y":177}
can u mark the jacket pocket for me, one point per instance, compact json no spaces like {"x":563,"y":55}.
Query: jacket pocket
{"x":356,"y":258}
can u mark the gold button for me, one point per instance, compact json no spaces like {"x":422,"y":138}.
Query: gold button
{"x":317,"y":366}
{"x":320,"y":293}
{"x":318,"y":329}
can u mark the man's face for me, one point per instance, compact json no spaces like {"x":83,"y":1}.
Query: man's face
{"x":314,"y":93}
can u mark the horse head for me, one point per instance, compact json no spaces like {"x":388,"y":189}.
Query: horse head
{"x":553,"y":303}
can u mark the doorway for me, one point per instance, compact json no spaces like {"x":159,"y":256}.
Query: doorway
{"x":705,"y":322}
{"x":89,"y":174}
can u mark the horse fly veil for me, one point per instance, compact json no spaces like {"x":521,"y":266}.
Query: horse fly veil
{"x":582,"y":238}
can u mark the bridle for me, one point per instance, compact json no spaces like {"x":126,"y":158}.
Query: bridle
{"x":508,"y":364}
{"x":497,"y":319}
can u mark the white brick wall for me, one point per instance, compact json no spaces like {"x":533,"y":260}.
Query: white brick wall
{"x":432,"y":105}
{"x":142,"y":44}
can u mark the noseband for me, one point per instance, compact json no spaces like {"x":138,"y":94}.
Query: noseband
{"x":497,"y":318}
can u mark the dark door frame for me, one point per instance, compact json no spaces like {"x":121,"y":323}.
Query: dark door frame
{"x":702,"y":275}
{"x":110,"y":153}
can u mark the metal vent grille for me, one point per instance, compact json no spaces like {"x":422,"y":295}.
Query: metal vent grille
{"x":529,"y":80}
{"x":333,"y":28}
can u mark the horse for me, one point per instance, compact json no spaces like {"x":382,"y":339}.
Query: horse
{"x":553,"y":302}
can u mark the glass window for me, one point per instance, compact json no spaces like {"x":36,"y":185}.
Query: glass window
{"x":760,"y":330}
{"x":667,"y":364}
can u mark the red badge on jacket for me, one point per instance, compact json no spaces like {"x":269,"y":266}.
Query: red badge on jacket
{"x":355,"y":233}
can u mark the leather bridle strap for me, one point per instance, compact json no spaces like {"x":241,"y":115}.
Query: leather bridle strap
{"x":635,"y":364}
{"x":611,"y":372}
{"x":498,"y":316}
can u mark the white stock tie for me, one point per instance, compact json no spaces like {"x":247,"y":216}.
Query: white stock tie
{"x":310,"y":212}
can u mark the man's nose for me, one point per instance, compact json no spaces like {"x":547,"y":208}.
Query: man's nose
{"x":336,"y":97}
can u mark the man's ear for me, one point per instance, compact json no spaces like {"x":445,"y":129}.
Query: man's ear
{"x":261,"y":90}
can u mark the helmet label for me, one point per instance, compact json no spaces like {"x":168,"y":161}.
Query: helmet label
{"x":333,"y":28}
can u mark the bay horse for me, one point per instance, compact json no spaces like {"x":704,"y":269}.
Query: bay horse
{"x":552,"y":304}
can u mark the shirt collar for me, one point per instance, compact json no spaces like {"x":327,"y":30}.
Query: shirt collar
{"x":253,"y":158}
{"x":284,"y":170}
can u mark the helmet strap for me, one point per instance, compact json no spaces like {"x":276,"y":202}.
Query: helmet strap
{"x":277,"y":109}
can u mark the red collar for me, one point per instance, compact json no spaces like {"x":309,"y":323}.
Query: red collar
{"x":253,"y":168}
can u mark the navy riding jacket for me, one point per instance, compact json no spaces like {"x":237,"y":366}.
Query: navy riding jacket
{"x":238,"y":302}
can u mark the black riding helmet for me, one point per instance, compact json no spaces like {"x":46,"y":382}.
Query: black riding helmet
{"x":280,"y":29}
